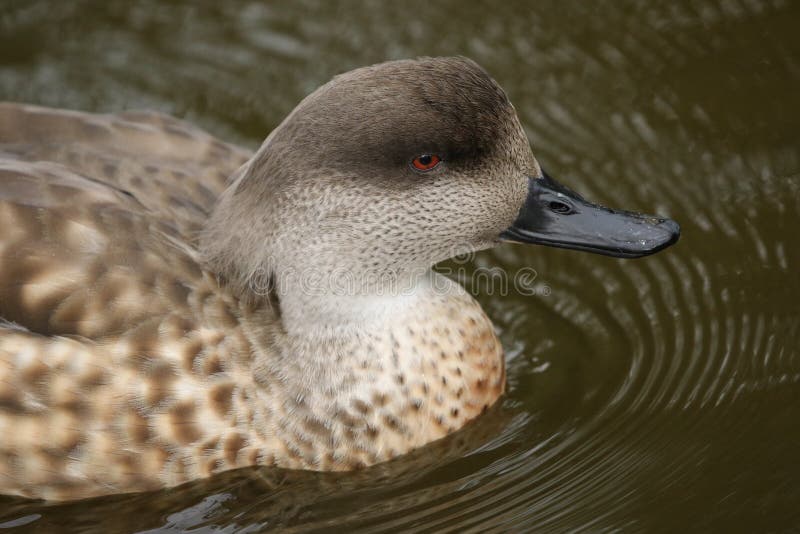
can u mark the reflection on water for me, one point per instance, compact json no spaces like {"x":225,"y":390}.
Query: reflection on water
{"x":654,"y":395}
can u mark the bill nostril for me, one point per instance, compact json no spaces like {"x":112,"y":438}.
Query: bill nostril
{"x":559,"y":207}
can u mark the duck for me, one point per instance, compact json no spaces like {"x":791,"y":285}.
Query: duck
{"x":173,"y":306}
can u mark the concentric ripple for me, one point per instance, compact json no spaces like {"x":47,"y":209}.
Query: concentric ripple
{"x":651,"y":395}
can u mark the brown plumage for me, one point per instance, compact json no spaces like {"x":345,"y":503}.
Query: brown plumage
{"x":155,"y":326}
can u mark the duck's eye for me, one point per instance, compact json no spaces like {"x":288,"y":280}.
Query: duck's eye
{"x":425,"y":162}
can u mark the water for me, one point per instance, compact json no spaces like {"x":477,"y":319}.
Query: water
{"x":653,"y":395}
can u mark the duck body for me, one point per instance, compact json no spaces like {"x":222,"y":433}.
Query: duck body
{"x":172,"y":306}
{"x":125,"y":366}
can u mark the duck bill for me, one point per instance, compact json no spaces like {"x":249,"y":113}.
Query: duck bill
{"x":556,"y":216}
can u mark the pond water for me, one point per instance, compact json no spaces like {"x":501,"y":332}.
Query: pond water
{"x":656,"y":395}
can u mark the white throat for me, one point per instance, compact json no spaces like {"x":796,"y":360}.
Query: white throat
{"x":335,"y":305}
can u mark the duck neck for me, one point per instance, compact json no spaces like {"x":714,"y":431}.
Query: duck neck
{"x":340,"y":303}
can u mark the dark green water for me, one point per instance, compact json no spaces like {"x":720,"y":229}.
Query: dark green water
{"x":658,"y":395}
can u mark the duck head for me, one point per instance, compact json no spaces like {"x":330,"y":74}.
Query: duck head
{"x":395,"y":167}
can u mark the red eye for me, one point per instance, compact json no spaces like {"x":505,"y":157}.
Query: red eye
{"x":426,"y":162}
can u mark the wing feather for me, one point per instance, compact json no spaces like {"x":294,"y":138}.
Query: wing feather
{"x":98,"y":216}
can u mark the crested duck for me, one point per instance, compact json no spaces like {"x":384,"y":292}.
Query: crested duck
{"x":172,"y":306}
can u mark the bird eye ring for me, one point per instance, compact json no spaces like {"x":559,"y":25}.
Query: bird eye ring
{"x":425,"y":162}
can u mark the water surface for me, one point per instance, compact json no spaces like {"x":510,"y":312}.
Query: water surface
{"x":656,"y":395}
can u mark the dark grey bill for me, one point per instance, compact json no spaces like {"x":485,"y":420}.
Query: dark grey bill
{"x":556,"y":216}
